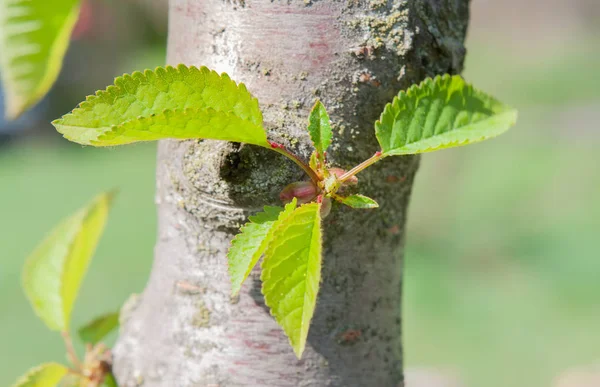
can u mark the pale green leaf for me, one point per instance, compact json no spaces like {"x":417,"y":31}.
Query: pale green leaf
{"x":440,"y":113}
{"x":34,"y":36}
{"x":99,"y":328}
{"x":53,"y":273}
{"x":319,"y":128}
{"x":182,"y":103}
{"x":291,"y":272}
{"x":312,"y":163}
{"x":249,"y":245}
{"x":45,"y":375}
{"x":358,"y":201}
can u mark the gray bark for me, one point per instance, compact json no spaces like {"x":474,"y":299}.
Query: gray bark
{"x":185,"y":329}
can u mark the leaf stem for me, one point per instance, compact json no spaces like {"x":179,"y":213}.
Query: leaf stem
{"x":281,"y":149}
{"x":367,"y":163}
{"x":71,"y":354}
{"x":75,"y":372}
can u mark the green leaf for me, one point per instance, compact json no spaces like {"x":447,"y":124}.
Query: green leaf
{"x":53,"y":273}
{"x":181,"y":103}
{"x":319,"y":129}
{"x":34,"y":36}
{"x":99,"y":328}
{"x":440,"y":113}
{"x":358,"y":201}
{"x":291,"y":272}
{"x":312,"y":163}
{"x":109,"y":381}
{"x":45,"y":375}
{"x":250,"y":244}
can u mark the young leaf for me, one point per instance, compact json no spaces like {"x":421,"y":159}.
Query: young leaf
{"x":54,"y":271}
{"x":357,"y":201}
{"x":292,"y":272}
{"x":183,"y":103}
{"x":45,"y":375}
{"x":34,"y":36}
{"x":312,"y":162}
{"x":99,"y":328}
{"x":319,"y":129}
{"x":440,"y":113}
{"x":249,"y":245}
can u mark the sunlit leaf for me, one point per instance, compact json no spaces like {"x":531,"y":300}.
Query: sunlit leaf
{"x":181,"y":103}
{"x":249,"y":245}
{"x":45,"y":375}
{"x":291,"y":272}
{"x":358,"y":201}
{"x":312,"y":163}
{"x":53,"y":273}
{"x":440,"y":113}
{"x":34,"y":36}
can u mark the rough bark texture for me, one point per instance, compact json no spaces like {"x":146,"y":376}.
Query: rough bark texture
{"x":185,"y":330}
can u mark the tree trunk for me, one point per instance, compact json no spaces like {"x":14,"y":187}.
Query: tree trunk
{"x":185,"y":329}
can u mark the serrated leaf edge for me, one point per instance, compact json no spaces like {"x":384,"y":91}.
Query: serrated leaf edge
{"x":511,"y":116}
{"x":324,"y":142}
{"x":23,"y":380}
{"x":283,"y":214}
{"x":317,"y":225}
{"x":430,"y":82}
{"x":161,"y":73}
{"x":119,"y":89}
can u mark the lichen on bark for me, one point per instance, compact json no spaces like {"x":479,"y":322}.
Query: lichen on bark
{"x":354,"y":56}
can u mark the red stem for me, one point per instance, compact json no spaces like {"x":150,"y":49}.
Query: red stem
{"x":281,"y":149}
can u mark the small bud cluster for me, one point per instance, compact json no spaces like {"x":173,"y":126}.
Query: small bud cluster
{"x":308,"y":191}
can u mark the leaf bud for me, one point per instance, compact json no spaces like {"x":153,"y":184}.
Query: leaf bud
{"x":304,"y":191}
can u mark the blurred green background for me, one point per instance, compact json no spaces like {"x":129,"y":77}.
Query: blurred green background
{"x":502,"y":264}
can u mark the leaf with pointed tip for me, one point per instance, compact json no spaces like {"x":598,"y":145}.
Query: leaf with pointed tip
{"x":440,"y":113}
{"x":181,"y":103}
{"x":357,"y":201}
{"x":249,"y":245}
{"x":34,"y":36}
{"x":319,"y":129}
{"x":97,"y":329}
{"x":53,"y":273}
{"x":291,"y":273}
{"x":45,"y":375}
